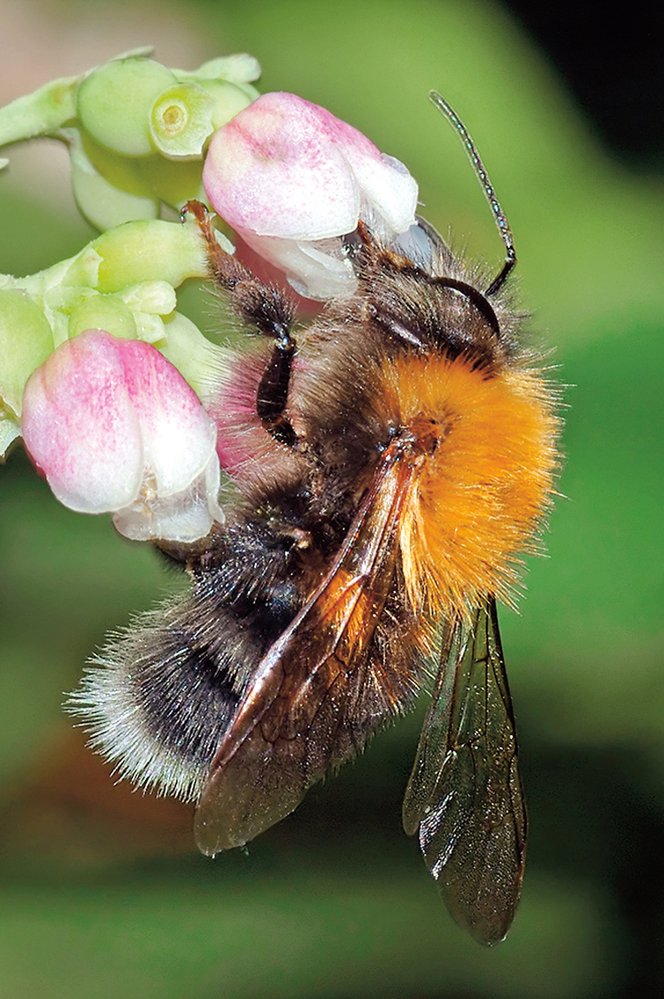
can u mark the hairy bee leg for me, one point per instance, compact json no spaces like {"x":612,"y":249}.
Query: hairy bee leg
{"x":272,"y":394}
{"x":270,"y":312}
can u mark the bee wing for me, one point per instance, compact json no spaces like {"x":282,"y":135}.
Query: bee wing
{"x":314,"y":699}
{"x":465,"y":793}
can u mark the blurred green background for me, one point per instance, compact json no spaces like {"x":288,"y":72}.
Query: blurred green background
{"x":101,"y":891}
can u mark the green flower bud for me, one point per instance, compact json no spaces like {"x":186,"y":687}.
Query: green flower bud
{"x":154,"y":297}
{"x":181,"y":120}
{"x":108,"y":189}
{"x":149,"y":301}
{"x":25,"y":343}
{"x":149,"y":328}
{"x":104,"y":205}
{"x":103,"y":312}
{"x":184,"y":116}
{"x":141,"y":251}
{"x":114,"y":103}
{"x":136,"y":130}
{"x":229,"y":100}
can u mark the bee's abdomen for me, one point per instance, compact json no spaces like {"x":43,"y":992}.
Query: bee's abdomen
{"x":159,"y":697}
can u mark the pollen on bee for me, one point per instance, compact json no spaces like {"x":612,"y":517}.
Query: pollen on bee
{"x":479,"y":499}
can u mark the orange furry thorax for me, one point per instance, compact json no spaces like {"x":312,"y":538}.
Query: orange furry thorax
{"x":479,"y":496}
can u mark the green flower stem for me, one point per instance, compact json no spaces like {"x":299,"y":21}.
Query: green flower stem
{"x":40,"y":113}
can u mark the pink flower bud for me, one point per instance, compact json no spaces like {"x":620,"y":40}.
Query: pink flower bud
{"x":291,"y":178}
{"x":114,"y":427}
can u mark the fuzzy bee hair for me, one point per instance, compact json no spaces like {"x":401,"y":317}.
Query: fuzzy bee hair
{"x":158,"y":698}
{"x":390,"y":465}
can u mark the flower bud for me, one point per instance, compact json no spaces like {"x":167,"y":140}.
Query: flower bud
{"x":181,"y":120}
{"x":114,"y":102}
{"x":291,"y":178}
{"x":108,"y":312}
{"x":150,"y":250}
{"x":9,"y":432}
{"x":124,"y":283}
{"x":109,"y":189}
{"x":174,"y":182}
{"x":114,"y":427}
{"x":135,"y":130}
{"x":25,"y":343}
{"x":203,"y":364}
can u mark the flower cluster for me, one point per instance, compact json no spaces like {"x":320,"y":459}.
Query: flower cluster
{"x":136,"y":130}
{"x":59,"y":389}
{"x":109,"y":384}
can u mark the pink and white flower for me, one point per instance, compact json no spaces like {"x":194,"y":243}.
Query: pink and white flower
{"x":291,"y":178}
{"x":114,"y":427}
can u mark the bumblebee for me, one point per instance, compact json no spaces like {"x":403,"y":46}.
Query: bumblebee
{"x":397,"y":457}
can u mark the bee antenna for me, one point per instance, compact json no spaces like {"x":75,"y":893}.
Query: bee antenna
{"x":483,"y":177}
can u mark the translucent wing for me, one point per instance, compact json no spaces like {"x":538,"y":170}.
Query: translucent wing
{"x":465,"y":793}
{"x":318,"y":692}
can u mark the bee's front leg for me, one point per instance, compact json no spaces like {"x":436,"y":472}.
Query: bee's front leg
{"x":270,"y":312}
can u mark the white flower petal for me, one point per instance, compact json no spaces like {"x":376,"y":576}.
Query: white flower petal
{"x":317,"y":269}
{"x":182,"y":517}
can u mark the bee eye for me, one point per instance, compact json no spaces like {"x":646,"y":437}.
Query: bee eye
{"x":475,"y":297}
{"x":394,"y":327}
